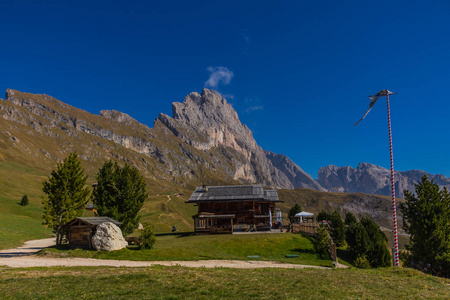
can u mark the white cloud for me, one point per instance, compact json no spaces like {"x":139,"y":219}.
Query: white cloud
{"x":254,"y":108}
{"x":218,"y":75}
{"x":253,"y":104}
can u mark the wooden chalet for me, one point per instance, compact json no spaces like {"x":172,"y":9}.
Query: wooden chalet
{"x":228,"y":209}
{"x":81,"y":230}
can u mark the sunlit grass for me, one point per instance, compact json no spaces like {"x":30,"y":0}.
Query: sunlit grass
{"x":201,"y":283}
{"x":272,"y":247}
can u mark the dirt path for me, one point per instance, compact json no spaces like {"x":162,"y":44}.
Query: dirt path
{"x":29,"y":248}
{"x":23,"y":257}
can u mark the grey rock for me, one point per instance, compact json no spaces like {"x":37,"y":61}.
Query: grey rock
{"x":295,"y":174}
{"x":108,"y":238}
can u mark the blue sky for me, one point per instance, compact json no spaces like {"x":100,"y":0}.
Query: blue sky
{"x":297,"y":72}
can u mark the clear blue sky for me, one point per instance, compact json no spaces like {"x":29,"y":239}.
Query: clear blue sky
{"x":297,"y":72}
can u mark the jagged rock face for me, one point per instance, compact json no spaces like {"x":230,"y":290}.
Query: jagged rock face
{"x":108,"y":238}
{"x":295,"y":174}
{"x":204,"y":141}
{"x":371,"y":179}
{"x":207,"y":121}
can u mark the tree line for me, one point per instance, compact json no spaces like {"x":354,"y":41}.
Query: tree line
{"x":119,"y":193}
{"x":426,"y":218}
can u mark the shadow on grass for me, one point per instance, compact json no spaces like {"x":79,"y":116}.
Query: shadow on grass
{"x":176,"y":234}
{"x":344,"y":255}
{"x":301,"y":250}
{"x":59,"y":247}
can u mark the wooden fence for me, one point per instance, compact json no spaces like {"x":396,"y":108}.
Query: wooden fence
{"x":307,"y":228}
{"x":311,"y":229}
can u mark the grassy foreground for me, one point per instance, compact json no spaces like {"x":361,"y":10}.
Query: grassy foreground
{"x":199,"y":283}
{"x":200,"y":247}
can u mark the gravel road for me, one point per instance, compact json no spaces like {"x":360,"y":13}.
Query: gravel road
{"x":24,"y":257}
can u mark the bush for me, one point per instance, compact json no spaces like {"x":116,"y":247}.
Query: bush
{"x":24,"y":201}
{"x":361,"y":262}
{"x":147,"y":236}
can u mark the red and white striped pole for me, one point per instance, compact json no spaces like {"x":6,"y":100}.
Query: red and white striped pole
{"x":394,"y":207}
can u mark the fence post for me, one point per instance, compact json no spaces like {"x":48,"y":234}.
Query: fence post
{"x":334,"y":254}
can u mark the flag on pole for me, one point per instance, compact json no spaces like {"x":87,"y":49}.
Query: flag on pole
{"x":374,"y":99}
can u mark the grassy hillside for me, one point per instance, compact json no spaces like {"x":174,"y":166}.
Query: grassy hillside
{"x":163,"y":209}
{"x":199,"y":283}
{"x":20,"y":223}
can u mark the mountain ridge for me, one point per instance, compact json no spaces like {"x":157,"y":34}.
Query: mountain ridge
{"x":205,"y":133}
{"x":372,"y":179}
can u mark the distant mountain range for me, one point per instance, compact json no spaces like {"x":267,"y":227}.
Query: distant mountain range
{"x":203,"y":142}
{"x":371,"y":179}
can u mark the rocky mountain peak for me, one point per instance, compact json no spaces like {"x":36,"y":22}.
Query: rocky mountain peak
{"x":207,"y":121}
{"x":211,"y":115}
{"x":204,"y":140}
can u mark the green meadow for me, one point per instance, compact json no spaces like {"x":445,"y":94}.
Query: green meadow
{"x":160,"y":282}
{"x":187,"y":246}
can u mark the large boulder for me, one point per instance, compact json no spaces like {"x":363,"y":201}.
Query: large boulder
{"x":108,"y":238}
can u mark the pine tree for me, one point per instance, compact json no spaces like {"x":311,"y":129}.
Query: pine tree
{"x":323,"y":216}
{"x":427,"y":220}
{"x":24,"y":201}
{"x":293,"y":211}
{"x":350,"y":219}
{"x":120,"y":194}
{"x":66,"y":194}
{"x":366,"y":241}
{"x":377,"y":253}
{"x":337,"y":229}
{"x":357,"y":240}
{"x":320,"y":241}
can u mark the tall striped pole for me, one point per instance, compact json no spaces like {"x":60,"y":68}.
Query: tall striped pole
{"x":394,"y":207}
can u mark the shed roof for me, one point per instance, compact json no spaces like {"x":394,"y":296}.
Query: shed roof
{"x":94,"y":221}
{"x":233,"y":193}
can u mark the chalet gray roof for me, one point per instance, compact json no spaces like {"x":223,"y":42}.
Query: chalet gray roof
{"x":233,"y":193}
{"x":98,"y":220}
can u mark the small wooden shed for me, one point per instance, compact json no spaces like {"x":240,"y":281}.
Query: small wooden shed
{"x":81,"y":230}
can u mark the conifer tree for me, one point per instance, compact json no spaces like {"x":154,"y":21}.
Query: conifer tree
{"x":426,"y":218}
{"x":24,"y":201}
{"x":120,"y":194}
{"x":66,"y":194}
{"x":377,"y":253}
{"x":366,"y":241}
{"x":350,"y":219}
{"x":337,"y":229}
{"x":293,"y":211}
{"x":323,"y":216}
{"x":357,"y":240}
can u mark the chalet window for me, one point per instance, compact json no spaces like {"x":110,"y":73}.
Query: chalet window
{"x":241,"y":220}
